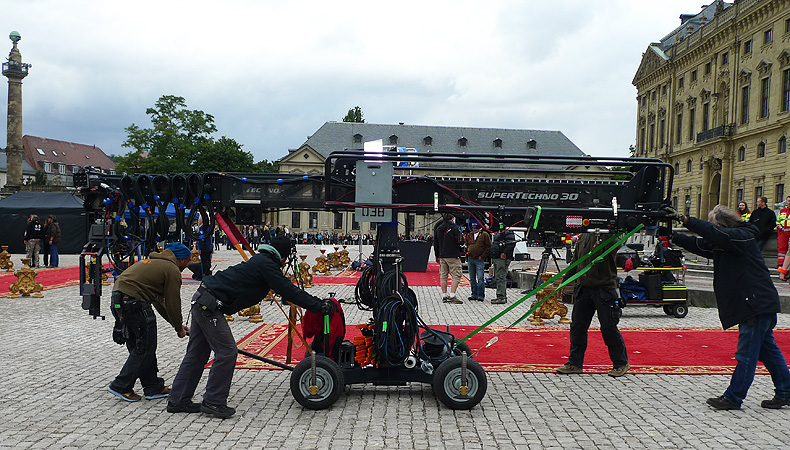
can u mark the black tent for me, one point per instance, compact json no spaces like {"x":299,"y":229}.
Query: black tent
{"x":15,"y":209}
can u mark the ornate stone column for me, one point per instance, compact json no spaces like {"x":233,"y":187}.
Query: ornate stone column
{"x":15,"y":70}
{"x":724,"y":199}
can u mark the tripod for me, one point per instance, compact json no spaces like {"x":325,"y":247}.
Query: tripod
{"x":544,"y":262}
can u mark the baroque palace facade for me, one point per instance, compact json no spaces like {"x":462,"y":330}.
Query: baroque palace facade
{"x":713,"y":100}
{"x":333,"y":136}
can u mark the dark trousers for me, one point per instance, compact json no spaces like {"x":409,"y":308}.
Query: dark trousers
{"x":45,"y":251}
{"x":587,"y":301}
{"x":209,"y":332}
{"x":140,"y":322}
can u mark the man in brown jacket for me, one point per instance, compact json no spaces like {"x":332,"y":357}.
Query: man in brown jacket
{"x":151,"y":282}
{"x":478,"y":251}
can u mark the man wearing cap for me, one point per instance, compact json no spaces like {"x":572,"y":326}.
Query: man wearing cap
{"x":151,"y":282}
{"x":227,"y":292}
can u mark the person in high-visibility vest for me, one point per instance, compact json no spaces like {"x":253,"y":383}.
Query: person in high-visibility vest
{"x":568,"y":241}
{"x":783,"y":231}
{"x":743,"y":211}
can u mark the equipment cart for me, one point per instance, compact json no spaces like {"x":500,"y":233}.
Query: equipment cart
{"x":661,"y":282}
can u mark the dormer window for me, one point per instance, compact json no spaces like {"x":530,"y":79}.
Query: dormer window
{"x":62,"y":169}
{"x":497,"y":143}
{"x":393,"y":140}
{"x":48,"y":167}
{"x":427,"y":141}
{"x":357,"y":138}
{"x":532,"y":144}
{"x":462,"y":142}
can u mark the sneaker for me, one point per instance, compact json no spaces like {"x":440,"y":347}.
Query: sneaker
{"x":190,"y":407}
{"x":221,"y":411}
{"x":445,"y":298}
{"x":721,"y":403}
{"x":775,"y":403}
{"x":130,"y":396}
{"x":479,"y":299}
{"x":619,"y":371}
{"x":498,"y":301}
{"x":472,"y":297}
{"x":569,"y":368}
{"x":165,"y":392}
{"x":455,"y":300}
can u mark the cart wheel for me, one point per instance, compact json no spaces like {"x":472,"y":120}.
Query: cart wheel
{"x":669,"y":310}
{"x":462,"y":347}
{"x":680,"y":311}
{"x":328,"y":378}
{"x":447,"y":383}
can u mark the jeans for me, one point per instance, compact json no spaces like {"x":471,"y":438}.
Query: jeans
{"x":140,"y":321}
{"x":477,"y":278}
{"x":756,"y":343}
{"x":209,"y":331}
{"x":586,"y":302}
{"x":500,"y":275}
{"x":54,"y":256}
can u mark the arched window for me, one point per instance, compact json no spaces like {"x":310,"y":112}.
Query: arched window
{"x":393,"y":140}
{"x":427,"y":141}
{"x":497,"y":143}
{"x":742,"y":153}
{"x":462,"y":142}
{"x":688,"y":166}
{"x":532,"y":144}
{"x":357,"y":138}
{"x":783,"y":144}
{"x":677,"y":168}
{"x":761,"y":150}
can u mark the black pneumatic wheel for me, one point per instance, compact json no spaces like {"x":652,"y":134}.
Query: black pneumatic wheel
{"x":447,"y":383}
{"x":328,"y":378}
{"x":462,"y":347}
{"x":680,"y":310}
{"x":669,"y":310}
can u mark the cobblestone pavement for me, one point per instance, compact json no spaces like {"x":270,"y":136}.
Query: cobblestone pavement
{"x":56,"y":364}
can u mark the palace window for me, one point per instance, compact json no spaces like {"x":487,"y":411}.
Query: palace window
{"x":782,"y":145}
{"x":768,"y":36}
{"x":761,"y":150}
{"x":745,"y":104}
{"x":693,"y":75}
{"x":705,"y":116}
{"x":338,"y":221}
{"x":764,"y":97}
{"x":742,"y":154}
{"x":691,"y":125}
{"x":296,"y":219}
{"x":679,"y":133}
{"x":725,"y":58}
{"x":786,"y":90}
{"x":688,"y":166}
{"x":747,"y":47}
{"x":314,"y":220}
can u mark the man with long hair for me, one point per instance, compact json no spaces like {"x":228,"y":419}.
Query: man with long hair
{"x":745,"y":296}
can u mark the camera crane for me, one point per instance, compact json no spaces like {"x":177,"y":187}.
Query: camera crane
{"x":549,"y":195}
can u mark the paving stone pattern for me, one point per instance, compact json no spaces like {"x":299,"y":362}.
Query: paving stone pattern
{"x":56,"y":363}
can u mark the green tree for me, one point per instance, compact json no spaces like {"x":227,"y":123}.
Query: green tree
{"x":266,"y":166}
{"x":177,"y":136}
{"x":40,"y":178}
{"x":354,"y":115}
{"x":223,"y":155}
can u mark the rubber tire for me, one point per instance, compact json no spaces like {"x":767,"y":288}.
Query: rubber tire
{"x":669,"y":309}
{"x":680,"y":311}
{"x":447,"y":377}
{"x":329,"y":378}
{"x":462,"y":347}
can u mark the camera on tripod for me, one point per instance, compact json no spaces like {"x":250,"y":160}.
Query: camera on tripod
{"x":552,"y":241}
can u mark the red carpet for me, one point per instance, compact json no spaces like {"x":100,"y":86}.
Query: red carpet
{"x":678,"y":351}
{"x":349,"y":278}
{"x":49,"y":278}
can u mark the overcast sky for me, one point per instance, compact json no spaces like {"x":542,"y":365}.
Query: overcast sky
{"x":272,"y":72}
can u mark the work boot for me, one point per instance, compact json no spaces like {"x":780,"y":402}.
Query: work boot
{"x":499,"y":301}
{"x":619,"y":371}
{"x":221,"y":411}
{"x":722,"y":403}
{"x":775,"y":403}
{"x":569,"y":368}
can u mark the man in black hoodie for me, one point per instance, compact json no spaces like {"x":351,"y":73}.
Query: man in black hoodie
{"x":765,"y":221}
{"x":228,"y":292}
{"x":745,"y":296}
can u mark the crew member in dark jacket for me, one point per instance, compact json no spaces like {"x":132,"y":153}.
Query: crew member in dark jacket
{"x":745,"y":296}
{"x":34,"y":234}
{"x":52,"y":239}
{"x":152,"y":282}
{"x":595,"y":291}
{"x":502,"y":248}
{"x":765,"y":221}
{"x":228,"y":292}
{"x":447,"y":246}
